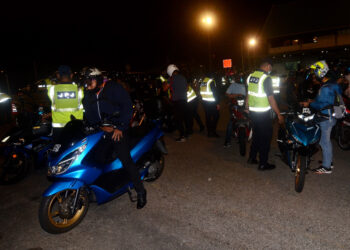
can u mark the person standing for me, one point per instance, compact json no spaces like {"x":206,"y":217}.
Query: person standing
{"x":178,"y":88}
{"x":66,"y":100}
{"x":260,"y":100}
{"x":325,"y":98}
{"x":192,"y":106}
{"x":210,"y":97}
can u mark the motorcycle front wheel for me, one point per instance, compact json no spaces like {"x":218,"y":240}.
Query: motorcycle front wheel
{"x":300,"y":171}
{"x":59,"y":214}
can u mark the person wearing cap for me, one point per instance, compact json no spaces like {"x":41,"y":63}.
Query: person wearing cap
{"x":260,"y":101}
{"x":178,"y":88}
{"x":66,"y":101}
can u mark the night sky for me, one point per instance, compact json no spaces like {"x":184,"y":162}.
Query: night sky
{"x":145,"y":34}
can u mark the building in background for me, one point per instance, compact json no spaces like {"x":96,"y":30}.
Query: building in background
{"x":300,"y":32}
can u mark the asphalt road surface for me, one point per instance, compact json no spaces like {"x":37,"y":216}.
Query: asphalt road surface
{"x":207,"y":198}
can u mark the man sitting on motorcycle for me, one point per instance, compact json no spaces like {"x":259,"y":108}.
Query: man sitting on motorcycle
{"x":235,"y":90}
{"x":325,"y":98}
{"x":102,"y":100}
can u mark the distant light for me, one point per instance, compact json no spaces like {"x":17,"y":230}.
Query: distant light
{"x":296,"y":40}
{"x":315,"y":39}
{"x":252,"y":42}
{"x":208,"y":21}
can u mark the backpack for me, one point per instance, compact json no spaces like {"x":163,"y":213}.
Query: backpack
{"x":339,"y":108}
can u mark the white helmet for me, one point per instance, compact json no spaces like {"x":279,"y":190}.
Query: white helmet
{"x":171,"y":68}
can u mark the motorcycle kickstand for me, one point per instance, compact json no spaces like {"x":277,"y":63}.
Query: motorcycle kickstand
{"x":132,"y":197}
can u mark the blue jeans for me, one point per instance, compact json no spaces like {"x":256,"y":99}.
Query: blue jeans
{"x":325,"y":142}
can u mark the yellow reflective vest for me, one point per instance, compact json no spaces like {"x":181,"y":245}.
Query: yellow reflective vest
{"x":258,"y":101}
{"x":205,"y":90}
{"x":66,"y":100}
{"x":191,"y":95}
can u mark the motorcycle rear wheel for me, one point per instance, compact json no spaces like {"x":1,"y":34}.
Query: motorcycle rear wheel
{"x":343,"y":139}
{"x":159,"y":165}
{"x":242,"y":140}
{"x":300,"y":172}
{"x":14,"y":169}
{"x":53,"y":219}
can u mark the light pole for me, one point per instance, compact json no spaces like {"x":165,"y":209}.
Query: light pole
{"x":208,"y":23}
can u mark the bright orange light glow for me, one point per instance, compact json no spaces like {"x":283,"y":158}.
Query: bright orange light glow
{"x":14,"y":156}
{"x":252,"y":42}
{"x":208,"y":21}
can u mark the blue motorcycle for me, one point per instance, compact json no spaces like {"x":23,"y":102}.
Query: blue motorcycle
{"x":297,"y":141}
{"x":23,"y":147}
{"x":78,"y":181}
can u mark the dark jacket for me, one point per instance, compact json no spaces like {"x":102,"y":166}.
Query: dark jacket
{"x":112,"y":98}
{"x":326,"y":96}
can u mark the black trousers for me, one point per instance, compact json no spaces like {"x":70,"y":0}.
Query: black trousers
{"x":107,"y":149}
{"x":262,"y":134}
{"x":211,"y":116}
{"x":192,"y":113}
{"x":180,"y":109}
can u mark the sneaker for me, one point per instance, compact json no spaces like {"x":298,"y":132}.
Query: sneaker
{"x":181,"y":139}
{"x":332,"y":166}
{"x":227,"y":145}
{"x":322,"y":170}
{"x":267,"y":166}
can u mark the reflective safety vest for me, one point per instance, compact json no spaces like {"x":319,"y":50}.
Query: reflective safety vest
{"x":205,"y":90}
{"x":191,"y":95}
{"x":66,"y":100}
{"x":275,"y":84}
{"x":258,"y":100}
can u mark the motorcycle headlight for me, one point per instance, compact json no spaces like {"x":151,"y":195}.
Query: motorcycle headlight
{"x":240,"y":103}
{"x":306,"y":118}
{"x":66,"y":162}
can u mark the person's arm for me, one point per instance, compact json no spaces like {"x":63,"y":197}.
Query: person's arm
{"x":269,"y":92}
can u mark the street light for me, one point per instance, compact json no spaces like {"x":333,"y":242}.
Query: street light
{"x":208,"y":22}
{"x":252,"y":42}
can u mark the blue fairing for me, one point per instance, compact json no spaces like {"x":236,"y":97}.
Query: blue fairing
{"x":62,"y":185}
{"x":305,"y":134}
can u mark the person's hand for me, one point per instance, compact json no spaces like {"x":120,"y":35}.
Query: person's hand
{"x":218,"y":106}
{"x":280,"y":119}
{"x":117,"y":135}
{"x":107,"y":129}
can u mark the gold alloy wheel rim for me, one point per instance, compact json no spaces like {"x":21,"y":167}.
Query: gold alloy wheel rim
{"x":64,"y":222}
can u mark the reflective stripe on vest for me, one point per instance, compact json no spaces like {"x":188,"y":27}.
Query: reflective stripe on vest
{"x":58,"y":125}
{"x":205,"y":90}
{"x":191,"y":95}
{"x":258,"y":100}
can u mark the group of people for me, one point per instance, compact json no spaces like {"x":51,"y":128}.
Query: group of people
{"x":102,"y":98}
